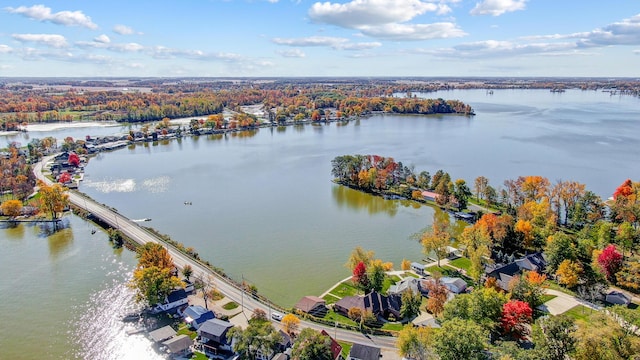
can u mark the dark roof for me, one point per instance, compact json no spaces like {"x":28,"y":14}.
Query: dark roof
{"x":374,"y":301}
{"x":176,"y":295}
{"x":162,"y":334}
{"x":215,"y":327}
{"x":178,"y":343}
{"x":286,"y":339}
{"x":532,"y":262}
{"x":364,"y":352}
{"x":504,"y":274}
{"x":309,"y":303}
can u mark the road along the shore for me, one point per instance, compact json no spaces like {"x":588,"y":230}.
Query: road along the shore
{"x":229,"y":289}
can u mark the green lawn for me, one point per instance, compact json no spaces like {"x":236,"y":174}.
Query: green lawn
{"x":184,"y":330}
{"x":388,"y":281}
{"x":230,"y":305}
{"x":346,"y":348}
{"x":462,"y":263}
{"x":544,"y":298}
{"x":580,"y":312}
{"x":444,"y":270}
{"x":199,"y":356}
{"x":344,"y":289}
{"x":393,"y":326}
{"x":410,"y":274}
{"x":333,"y":316}
{"x":330,"y":298}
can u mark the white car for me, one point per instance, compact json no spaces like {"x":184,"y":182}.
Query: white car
{"x":276,"y":316}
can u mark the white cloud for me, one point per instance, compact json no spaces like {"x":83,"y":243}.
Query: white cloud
{"x":124,"y":30}
{"x":493,"y":48}
{"x":387,"y":19}
{"x":369,"y":12}
{"x":328,"y":41}
{"x":414,"y":31}
{"x":43,"y":13}
{"x":5,"y":49}
{"x":637,"y":52}
{"x":51,"y":40}
{"x":128,"y":47}
{"x":291,"y":53}
{"x":498,"y":7}
{"x":104,"y":39}
{"x":5,"y":67}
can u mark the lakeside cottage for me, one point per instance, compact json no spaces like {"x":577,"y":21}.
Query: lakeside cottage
{"x":195,"y":315}
{"x":312,"y":305}
{"x":175,"y":299}
{"x":503,"y":273}
{"x":379,"y":305}
{"x":213,"y":337}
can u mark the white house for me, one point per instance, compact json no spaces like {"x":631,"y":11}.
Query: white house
{"x":175,"y":299}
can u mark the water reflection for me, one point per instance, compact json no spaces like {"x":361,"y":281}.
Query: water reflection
{"x":59,"y":241}
{"x":357,"y":200}
{"x":13,"y":230}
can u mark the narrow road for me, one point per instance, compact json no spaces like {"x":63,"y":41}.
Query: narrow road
{"x":140,"y":235}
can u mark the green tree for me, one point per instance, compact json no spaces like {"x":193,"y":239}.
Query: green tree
{"x":187,"y":271}
{"x":603,"y":338}
{"x":416,"y":342}
{"x":410,"y":307}
{"x":260,"y":337}
{"x":478,"y":243}
{"x":312,"y":345}
{"x":554,"y":336}
{"x":462,"y":193}
{"x":376,"y":275}
{"x":626,"y":236}
{"x":460,"y":340}
{"x":560,"y":247}
{"x":483,"y":306}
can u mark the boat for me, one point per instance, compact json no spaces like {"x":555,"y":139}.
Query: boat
{"x":188,"y":203}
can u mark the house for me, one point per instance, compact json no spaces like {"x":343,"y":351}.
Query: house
{"x":429,"y":195}
{"x":312,"y":305}
{"x":454,"y":284}
{"x":404,"y":285}
{"x":286,"y":341}
{"x":618,"y":298}
{"x":336,"y":348}
{"x":195,"y":315}
{"x":162,"y":334}
{"x":213,"y":335}
{"x":179,"y":345}
{"x":175,"y":299}
{"x":378,"y":304}
{"x":504,"y":273}
{"x":363,"y":352}
{"x":418,"y":268}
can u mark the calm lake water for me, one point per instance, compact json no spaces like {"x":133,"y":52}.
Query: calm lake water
{"x":264,"y":206}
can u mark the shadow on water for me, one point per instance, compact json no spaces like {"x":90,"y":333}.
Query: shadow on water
{"x":13,"y":230}
{"x":357,"y":200}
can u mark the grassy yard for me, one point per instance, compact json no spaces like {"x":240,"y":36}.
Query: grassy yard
{"x":199,"y":356}
{"x":184,"y":330}
{"x":462,"y":263}
{"x":442,"y":269}
{"x":410,"y":274}
{"x":333,"y":316}
{"x":230,"y":305}
{"x":344,"y":289}
{"x":346,"y":348}
{"x":393,"y":326}
{"x":544,"y":298}
{"x":330,"y":298}
{"x":388,"y":281}
{"x":580,"y":312}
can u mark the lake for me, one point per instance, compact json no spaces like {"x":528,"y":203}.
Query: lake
{"x":264,"y":207}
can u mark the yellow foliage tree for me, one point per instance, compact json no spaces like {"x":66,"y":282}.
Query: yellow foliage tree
{"x":11,"y":208}
{"x":53,"y":199}
{"x":524,"y":227}
{"x":416,"y":342}
{"x":154,"y":254}
{"x":405,"y":265}
{"x":359,"y":255}
{"x":290,"y":323}
{"x":568,"y":273}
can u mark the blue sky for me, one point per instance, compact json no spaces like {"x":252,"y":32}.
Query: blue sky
{"x":234,"y":38}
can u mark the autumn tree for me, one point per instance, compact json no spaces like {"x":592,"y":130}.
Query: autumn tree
{"x":53,"y":199}
{"x":153,"y":284}
{"x":405,"y":265}
{"x":359,"y":277}
{"x":154,"y":254}
{"x":480,"y":186}
{"x":290,"y":323}
{"x":375,"y":275}
{"x":416,"y":342}
{"x":187,"y":271}
{"x":610,"y":261}
{"x":569,"y":273}
{"x":603,"y":338}
{"x":359,"y":255}
{"x":11,"y":208}
{"x":626,"y":236}
{"x":438,"y":238}
{"x":437,"y":296}
{"x":477,"y":242}
{"x":528,"y":287}
{"x":629,"y":276}
{"x":73,"y":159}
{"x":560,"y":247}
{"x":516,"y":315}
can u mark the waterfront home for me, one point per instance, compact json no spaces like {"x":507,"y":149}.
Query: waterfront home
{"x":406,"y":284}
{"x":418,"y":268}
{"x":162,"y":334}
{"x":312,"y":305}
{"x":454,"y":284}
{"x":179,"y":345}
{"x":175,"y":299}
{"x":429,"y":195}
{"x":213,"y":337}
{"x":286,"y":341}
{"x":195,"y":315}
{"x":379,"y":305}
{"x":363,"y":352}
{"x":503,"y":273}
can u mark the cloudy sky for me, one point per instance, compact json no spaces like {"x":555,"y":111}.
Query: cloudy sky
{"x":333,"y":38}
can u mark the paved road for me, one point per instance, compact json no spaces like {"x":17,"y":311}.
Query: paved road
{"x":230,"y":290}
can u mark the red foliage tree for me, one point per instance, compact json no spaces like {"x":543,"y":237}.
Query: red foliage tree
{"x":64,"y":178}
{"x":74,"y":159}
{"x":515,"y":314}
{"x":610,"y":261}
{"x":360,"y":275}
{"x":625,"y":189}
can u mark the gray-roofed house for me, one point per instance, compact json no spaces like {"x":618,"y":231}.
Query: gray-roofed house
{"x":214,"y":335}
{"x":363,"y":352}
{"x":504,"y":273}
{"x":455,"y":284}
{"x":418,"y":268}
{"x":618,"y":298}
{"x":162,"y":334}
{"x":195,"y":315}
{"x":404,"y":285}
{"x":532,"y":262}
{"x":179,"y":345}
